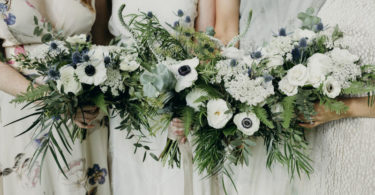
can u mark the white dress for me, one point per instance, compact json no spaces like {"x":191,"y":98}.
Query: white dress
{"x":88,"y":170}
{"x":130,"y":175}
{"x":343,"y":151}
{"x":268,"y":17}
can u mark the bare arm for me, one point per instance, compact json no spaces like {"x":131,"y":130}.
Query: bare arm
{"x":11,"y":81}
{"x":227,"y":19}
{"x":358,"y":107}
{"x":206,"y":15}
{"x":100,"y":32}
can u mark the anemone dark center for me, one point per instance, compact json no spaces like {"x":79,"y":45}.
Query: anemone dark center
{"x":107,"y":60}
{"x":247,"y":123}
{"x":184,"y":70}
{"x":90,"y":70}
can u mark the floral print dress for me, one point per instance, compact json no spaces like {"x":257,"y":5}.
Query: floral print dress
{"x":87,"y":173}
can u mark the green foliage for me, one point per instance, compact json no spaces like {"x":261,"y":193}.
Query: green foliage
{"x":32,"y":94}
{"x":334,"y":105}
{"x":188,"y":117}
{"x":288,"y":113}
{"x":261,"y":113}
{"x":308,"y":18}
{"x":158,"y":81}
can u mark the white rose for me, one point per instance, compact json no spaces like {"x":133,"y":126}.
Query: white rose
{"x":193,"y":96}
{"x":68,"y":80}
{"x":287,"y":88}
{"x":299,"y":34}
{"x":129,"y":63}
{"x":77,"y":39}
{"x":233,"y":53}
{"x":297,"y":75}
{"x":217,"y":113}
{"x":185,"y":73}
{"x":331,"y":88}
{"x":248,"y":123}
{"x":275,"y":61}
{"x":318,"y":65}
{"x":343,"y":56}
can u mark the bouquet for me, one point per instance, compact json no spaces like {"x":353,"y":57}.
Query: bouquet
{"x":75,"y":73}
{"x":228,"y":97}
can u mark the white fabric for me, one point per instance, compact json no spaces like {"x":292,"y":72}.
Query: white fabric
{"x":93,"y":150}
{"x":343,"y":151}
{"x":129,"y":174}
{"x":268,"y":17}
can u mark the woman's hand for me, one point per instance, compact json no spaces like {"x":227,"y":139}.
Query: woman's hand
{"x":85,"y":116}
{"x":176,"y":130}
{"x":323,"y":115}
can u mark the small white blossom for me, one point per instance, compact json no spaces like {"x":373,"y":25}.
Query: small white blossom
{"x":129,"y":63}
{"x":275,"y":61}
{"x":247,"y":123}
{"x":233,"y":53}
{"x":279,"y":46}
{"x":277,"y":108}
{"x":343,"y":56}
{"x":194,"y":95}
{"x":300,"y":33}
{"x":113,"y":82}
{"x":318,"y":65}
{"x":218,"y":113}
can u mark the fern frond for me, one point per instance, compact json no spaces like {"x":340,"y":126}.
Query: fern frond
{"x":32,"y":94}
{"x":287,"y":115}
{"x":263,"y":116}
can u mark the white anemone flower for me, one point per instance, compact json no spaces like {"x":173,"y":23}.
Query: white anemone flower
{"x":247,"y":123}
{"x":218,"y":113}
{"x":91,"y":72}
{"x":331,"y":88}
{"x":185,"y":73}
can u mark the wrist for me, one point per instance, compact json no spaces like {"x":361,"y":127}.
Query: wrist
{"x":357,"y":107}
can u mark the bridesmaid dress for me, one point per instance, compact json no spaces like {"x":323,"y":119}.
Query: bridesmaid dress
{"x":88,"y":171}
{"x":268,"y":17}
{"x":130,"y":174}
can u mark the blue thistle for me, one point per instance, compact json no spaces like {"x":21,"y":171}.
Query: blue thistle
{"x":233,"y":62}
{"x":176,"y":24}
{"x":54,"y":46}
{"x":303,"y":42}
{"x":256,"y":55}
{"x":319,"y":27}
{"x":282,"y":32}
{"x":187,"y":19}
{"x":150,"y":14}
{"x":180,"y":13}
{"x":249,"y":71}
{"x":53,"y":74}
{"x":267,"y":78}
{"x":76,"y":57}
{"x":86,"y":58}
{"x":107,"y":61}
{"x":296,"y":54}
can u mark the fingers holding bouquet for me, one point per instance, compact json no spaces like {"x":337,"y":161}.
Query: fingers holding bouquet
{"x":176,"y":130}
{"x":85,"y":115}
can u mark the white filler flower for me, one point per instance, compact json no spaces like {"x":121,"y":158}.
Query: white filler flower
{"x":297,"y":75}
{"x":318,"y":65}
{"x":185,"y":73}
{"x":129,"y":63}
{"x":331,"y":88}
{"x":77,"y":39}
{"x":233,"y":53}
{"x":247,"y":123}
{"x":275,"y":61}
{"x":299,"y":34}
{"x":193,"y":96}
{"x":91,"y":72}
{"x":68,"y":81}
{"x":218,"y":113}
{"x":343,"y":56}
{"x":287,"y":88}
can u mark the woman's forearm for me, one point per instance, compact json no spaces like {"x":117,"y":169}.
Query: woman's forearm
{"x":11,"y":81}
{"x":206,"y":15}
{"x":359,"y":107}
